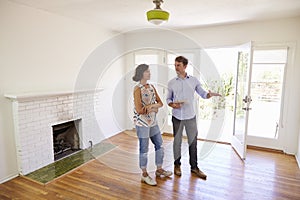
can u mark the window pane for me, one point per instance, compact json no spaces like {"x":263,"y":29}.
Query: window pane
{"x":146,"y":59}
{"x":270,"y":56}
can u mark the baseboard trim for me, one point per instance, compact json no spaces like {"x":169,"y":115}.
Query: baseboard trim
{"x":265,"y":149}
{"x":8,"y":178}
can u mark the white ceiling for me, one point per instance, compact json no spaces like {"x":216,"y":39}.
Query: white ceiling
{"x":120,"y":15}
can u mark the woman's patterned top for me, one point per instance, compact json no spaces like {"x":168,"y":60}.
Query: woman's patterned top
{"x":145,"y":95}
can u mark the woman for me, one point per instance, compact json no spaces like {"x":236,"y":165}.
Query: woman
{"x":146,"y":104}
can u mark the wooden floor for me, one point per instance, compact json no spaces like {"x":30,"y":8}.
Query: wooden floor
{"x":115,"y":175}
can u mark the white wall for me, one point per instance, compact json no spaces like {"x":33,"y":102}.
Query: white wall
{"x":113,"y":95}
{"x":275,"y":31}
{"x":39,"y":52}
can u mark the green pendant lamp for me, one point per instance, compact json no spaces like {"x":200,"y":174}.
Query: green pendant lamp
{"x":157,"y":16}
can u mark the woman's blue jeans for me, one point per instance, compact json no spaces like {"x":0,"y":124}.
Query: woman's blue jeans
{"x":144,"y":133}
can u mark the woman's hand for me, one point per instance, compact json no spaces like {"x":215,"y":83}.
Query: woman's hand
{"x":152,"y":108}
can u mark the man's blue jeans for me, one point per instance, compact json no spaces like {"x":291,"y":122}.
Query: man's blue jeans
{"x":144,"y":133}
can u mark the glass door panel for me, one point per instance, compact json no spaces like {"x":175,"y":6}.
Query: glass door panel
{"x":266,"y":93}
{"x":267,"y":85}
{"x":242,"y":100}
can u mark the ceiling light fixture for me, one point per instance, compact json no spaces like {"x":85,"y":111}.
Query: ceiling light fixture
{"x":157,"y":16}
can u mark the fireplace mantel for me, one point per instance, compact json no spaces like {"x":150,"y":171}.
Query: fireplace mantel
{"x":41,"y":95}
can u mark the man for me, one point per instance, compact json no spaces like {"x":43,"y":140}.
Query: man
{"x":180,"y":97}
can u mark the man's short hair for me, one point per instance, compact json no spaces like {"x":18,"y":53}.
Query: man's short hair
{"x":182,"y":59}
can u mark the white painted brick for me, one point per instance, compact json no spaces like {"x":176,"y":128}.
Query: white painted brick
{"x":31,"y":107}
{"x":51,"y":99}
{"x":60,"y":106}
{"x":22,"y":126}
{"x":44,"y":112}
{"x":50,"y":107}
{"x":62,"y":98}
{"x":26,"y":103}
{"x":21,"y":117}
{"x":71,"y":97}
{"x":21,"y":108}
{"x":35,"y":119}
{"x":38,"y":102}
{"x":67,"y":101}
{"x":45,"y":104}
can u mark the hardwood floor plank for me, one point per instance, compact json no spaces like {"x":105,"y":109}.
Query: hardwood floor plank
{"x":264,"y":175}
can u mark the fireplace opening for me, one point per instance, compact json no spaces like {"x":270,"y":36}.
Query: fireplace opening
{"x":65,"y":139}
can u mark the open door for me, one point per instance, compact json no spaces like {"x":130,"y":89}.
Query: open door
{"x":242,"y":100}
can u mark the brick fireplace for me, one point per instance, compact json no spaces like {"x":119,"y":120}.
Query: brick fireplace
{"x":35,"y":115}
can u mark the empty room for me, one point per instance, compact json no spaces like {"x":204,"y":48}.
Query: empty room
{"x":77,"y":114}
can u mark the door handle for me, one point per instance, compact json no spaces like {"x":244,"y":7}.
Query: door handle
{"x":247,"y":109}
{"x":247,"y":99}
{"x":276,"y":130}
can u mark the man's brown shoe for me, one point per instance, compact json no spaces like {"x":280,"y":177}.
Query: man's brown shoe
{"x":199,"y":173}
{"x":177,"y":170}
